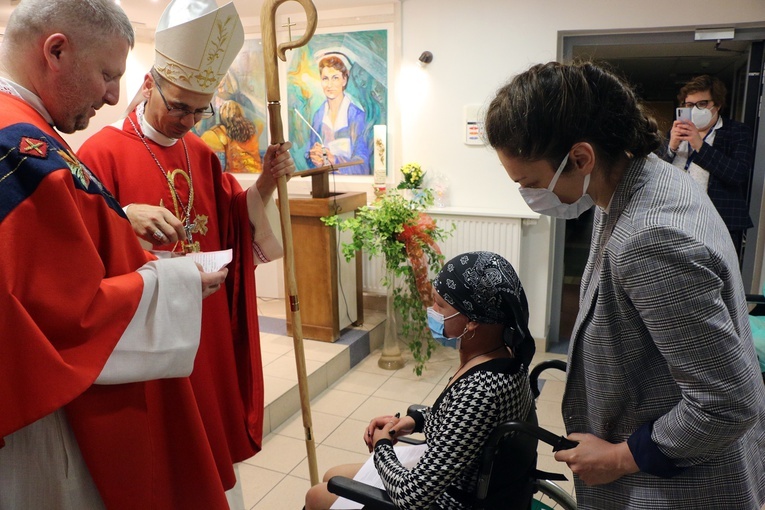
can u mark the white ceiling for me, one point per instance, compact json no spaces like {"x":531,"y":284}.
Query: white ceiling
{"x":146,"y":13}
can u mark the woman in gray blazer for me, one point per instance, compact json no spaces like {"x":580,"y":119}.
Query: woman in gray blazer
{"x":663,"y":391}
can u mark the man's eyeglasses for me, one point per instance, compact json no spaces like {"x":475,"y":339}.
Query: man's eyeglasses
{"x":699,"y":104}
{"x":180,"y":113}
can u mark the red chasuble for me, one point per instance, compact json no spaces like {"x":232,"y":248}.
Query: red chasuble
{"x":227,"y":377}
{"x":67,"y":297}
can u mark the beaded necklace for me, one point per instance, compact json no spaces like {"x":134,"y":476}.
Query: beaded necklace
{"x":189,"y":245}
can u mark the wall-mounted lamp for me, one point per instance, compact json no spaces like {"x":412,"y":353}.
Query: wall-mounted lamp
{"x":426,"y":58}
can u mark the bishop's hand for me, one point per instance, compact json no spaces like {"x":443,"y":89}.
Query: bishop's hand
{"x":155,"y":224}
{"x":277,"y":163}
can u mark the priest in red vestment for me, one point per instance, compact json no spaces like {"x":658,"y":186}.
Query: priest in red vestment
{"x":97,"y":337}
{"x":178,"y":198}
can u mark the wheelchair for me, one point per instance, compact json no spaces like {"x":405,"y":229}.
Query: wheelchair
{"x":507,"y":479}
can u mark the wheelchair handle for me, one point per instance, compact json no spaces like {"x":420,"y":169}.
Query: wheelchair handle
{"x":557,"y":442}
{"x":500,"y":432}
{"x":541,"y":367}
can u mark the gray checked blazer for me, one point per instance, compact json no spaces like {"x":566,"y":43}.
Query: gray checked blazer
{"x":662,"y":342}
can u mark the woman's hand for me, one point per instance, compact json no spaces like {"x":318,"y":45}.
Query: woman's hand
{"x":404,"y":427}
{"x":596,"y":461}
{"x":382,"y":428}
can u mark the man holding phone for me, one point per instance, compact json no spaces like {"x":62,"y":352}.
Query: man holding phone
{"x":716,"y":152}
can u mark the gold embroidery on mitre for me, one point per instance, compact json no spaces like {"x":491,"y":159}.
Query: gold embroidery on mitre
{"x":210,"y":72}
{"x":220,"y":42}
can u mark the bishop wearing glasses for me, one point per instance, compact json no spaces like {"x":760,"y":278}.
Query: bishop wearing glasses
{"x":179,"y":200}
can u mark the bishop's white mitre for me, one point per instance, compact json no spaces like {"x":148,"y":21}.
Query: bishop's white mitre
{"x":196,"y":42}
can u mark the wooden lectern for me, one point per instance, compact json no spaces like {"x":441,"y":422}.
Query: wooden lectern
{"x":319,"y":262}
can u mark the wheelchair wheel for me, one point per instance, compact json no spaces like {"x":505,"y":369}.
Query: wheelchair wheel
{"x":550,"y":496}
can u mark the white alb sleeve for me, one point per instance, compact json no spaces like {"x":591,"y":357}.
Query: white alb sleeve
{"x":162,"y":338}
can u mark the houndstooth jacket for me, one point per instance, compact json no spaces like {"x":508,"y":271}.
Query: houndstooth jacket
{"x":661,"y":353}
{"x":455,"y":428}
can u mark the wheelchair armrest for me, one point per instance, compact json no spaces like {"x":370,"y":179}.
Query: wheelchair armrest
{"x":415,"y":408}
{"x":371,"y":497}
{"x":541,"y":367}
{"x":410,"y":440}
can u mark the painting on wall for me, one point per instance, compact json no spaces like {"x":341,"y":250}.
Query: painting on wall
{"x":337,"y":91}
{"x":237,"y":132}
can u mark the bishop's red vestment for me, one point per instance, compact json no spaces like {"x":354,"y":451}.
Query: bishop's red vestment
{"x":227,"y":377}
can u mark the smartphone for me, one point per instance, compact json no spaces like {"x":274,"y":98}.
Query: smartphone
{"x":683,"y":114}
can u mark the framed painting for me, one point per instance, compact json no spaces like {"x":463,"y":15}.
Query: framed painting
{"x":238,"y":133}
{"x":337,"y":91}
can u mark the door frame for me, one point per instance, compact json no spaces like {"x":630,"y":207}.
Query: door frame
{"x":752,"y":270}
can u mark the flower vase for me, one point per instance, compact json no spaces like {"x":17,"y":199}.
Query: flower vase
{"x":390,"y":358}
{"x":412,"y":194}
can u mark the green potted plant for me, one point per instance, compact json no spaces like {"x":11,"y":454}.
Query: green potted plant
{"x":398,"y":229}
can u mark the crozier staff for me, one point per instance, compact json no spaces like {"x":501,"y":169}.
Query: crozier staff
{"x":276,"y":130}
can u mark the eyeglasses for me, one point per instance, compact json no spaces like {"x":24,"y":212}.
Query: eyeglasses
{"x":180,"y":113}
{"x":699,"y":104}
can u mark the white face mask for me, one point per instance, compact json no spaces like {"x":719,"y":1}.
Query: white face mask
{"x":544,"y":201}
{"x":701,"y":118}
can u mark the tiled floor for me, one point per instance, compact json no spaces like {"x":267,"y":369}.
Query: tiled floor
{"x":278,"y":477}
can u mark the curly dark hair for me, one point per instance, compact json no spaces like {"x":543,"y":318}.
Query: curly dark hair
{"x":541,"y":113}
{"x":238,"y":127}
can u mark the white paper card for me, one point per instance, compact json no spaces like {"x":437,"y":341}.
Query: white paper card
{"x":212,"y":261}
{"x":407,"y":455}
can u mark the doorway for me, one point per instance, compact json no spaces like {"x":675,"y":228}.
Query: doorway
{"x":657,"y":65}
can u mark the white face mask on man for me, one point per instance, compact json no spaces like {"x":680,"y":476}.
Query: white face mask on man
{"x":544,"y":201}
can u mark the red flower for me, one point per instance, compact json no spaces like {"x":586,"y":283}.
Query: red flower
{"x":415,"y":236}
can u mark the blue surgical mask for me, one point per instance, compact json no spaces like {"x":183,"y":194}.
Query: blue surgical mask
{"x":544,"y":201}
{"x":436,"y":323}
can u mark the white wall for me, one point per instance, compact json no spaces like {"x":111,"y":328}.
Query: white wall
{"x":477,"y":47}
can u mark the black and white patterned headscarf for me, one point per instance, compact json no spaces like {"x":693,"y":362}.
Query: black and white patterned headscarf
{"x":484,"y":287}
